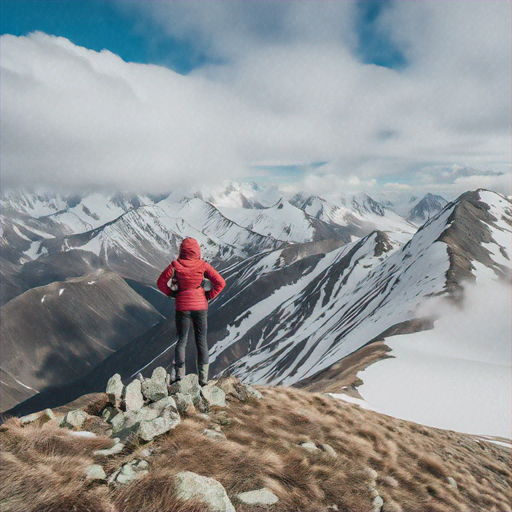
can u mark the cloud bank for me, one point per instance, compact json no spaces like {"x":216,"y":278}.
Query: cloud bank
{"x":286,"y":83}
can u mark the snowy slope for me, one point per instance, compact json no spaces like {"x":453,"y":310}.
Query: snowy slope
{"x":426,"y":208}
{"x":358,"y":211}
{"x":352,"y":297}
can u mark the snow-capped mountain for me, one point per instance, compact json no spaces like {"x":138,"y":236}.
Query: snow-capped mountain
{"x":426,"y":208}
{"x":308,"y":282}
{"x":356,"y":293}
{"x":360,"y":213}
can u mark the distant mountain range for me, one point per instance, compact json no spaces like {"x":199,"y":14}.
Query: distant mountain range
{"x":309,"y":282}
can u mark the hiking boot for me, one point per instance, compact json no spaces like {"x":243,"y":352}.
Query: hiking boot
{"x":179,"y":373}
{"x":202,"y":370}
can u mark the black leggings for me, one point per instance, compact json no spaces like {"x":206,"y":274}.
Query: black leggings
{"x":199,"y":320}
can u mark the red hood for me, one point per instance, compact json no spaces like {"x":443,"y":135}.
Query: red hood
{"x":189,"y":249}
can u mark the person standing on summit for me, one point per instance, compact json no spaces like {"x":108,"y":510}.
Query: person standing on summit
{"x":187,"y":274}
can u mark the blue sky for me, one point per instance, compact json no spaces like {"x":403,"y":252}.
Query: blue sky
{"x":364,"y":94}
{"x":105,"y":24}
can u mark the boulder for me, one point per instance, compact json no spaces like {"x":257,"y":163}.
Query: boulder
{"x":155,"y":388}
{"x":115,"y":389}
{"x":41,"y":416}
{"x":133,"y":398}
{"x":206,"y":490}
{"x":115,"y":449}
{"x":95,"y":472}
{"x":214,"y":396}
{"x":184,"y":404}
{"x":229,"y":385}
{"x":149,"y":429}
{"x":164,"y":403}
{"x":74,"y":419}
{"x":189,"y":385}
{"x":452,"y":482}
{"x":258,"y":497}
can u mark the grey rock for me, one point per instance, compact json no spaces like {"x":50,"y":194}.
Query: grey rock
{"x":115,"y":449}
{"x":377,"y":504}
{"x":214,"y":434}
{"x":149,"y":429}
{"x":109,"y":413}
{"x":214,"y":396}
{"x":74,"y":419}
{"x":327,"y":448}
{"x":452,"y":482}
{"x":42,"y":416}
{"x":371,"y":473}
{"x":208,"y":491}
{"x":189,"y":385}
{"x":252,"y":393}
{"x":164,"y":403}
{"x":115,"y":389}
{"x":184,"y":403}
{"x":155,"y":389}
{"x":128,"y":472}
{"x":133,"y":398}
{"x":125,"y":423}
{"x":95,"y":472}
{"x":201,"y":404}
{"x":229,"y":385}
{"x":309,"y":446}
{"x":258,"y":497}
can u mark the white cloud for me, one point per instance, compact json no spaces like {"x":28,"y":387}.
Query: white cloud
{"x":291,"y":89}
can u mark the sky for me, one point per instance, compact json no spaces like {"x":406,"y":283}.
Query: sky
{"x":392,"y":97}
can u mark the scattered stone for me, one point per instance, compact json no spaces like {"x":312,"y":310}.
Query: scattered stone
{"x":95,"y":472}
{"x":251,"y":393}
{"x":214,"y":396}
{"x":377,"y":504}
{"x":41,"y":416}
{"x":133,"y":398}
{"x":151,"y":428}
{"x":211,"y":493}
{"x":74,"y":419}
{"x":452,"y":482}
{"x":371,"y":473}
{"x":115,"y":449}
{"x":128,"y":472}
{"x":258,"y":497}
{"x":215,"y":434}
{"x":310,"y":447}
{"x":327,"y":448}
{"x":201,"y":404}
{"x":109,"y":413}
{"x":115,"y":389}
{"x":185,"y":404}
{"x":389,"y":480}
{"x":146,"y":452}
{"x":155,"y":389}
{"x":164,"y":403}
{"x":82,"y":433}
{"x":229,"y":385}
{"x":189,"y":385}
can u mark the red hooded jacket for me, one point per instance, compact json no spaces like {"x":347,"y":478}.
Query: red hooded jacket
{"x":190,"y":270}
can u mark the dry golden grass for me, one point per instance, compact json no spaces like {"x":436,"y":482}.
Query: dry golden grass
{"x":44,"y":467}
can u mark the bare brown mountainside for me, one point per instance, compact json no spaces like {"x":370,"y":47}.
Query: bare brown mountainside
{"x":56,"y":333}
{"x":408,"y":466}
